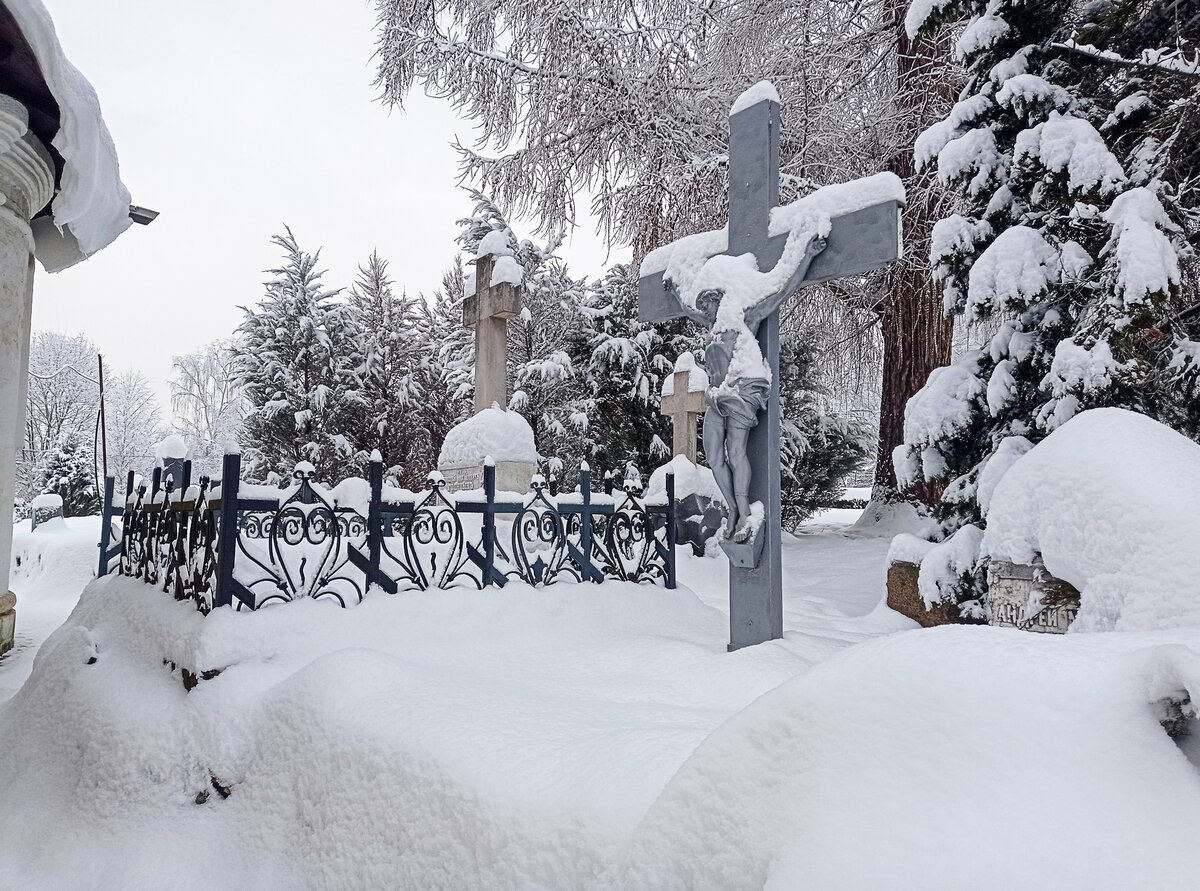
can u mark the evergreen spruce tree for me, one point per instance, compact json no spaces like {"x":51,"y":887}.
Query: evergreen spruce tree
{"x":626,"y":362}
{"x":391,"y":356}
{"x":298,"y":359}
{"x":67,"y":469}
{"x":820,"y":447}
{"x":443,"y":378}
{"x":1076,"y":178}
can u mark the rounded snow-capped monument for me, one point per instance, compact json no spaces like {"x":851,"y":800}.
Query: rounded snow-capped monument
{"x":169,"y":454}
{"x":503,"y":438}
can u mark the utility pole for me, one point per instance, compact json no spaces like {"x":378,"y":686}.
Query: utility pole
{"x":103,"y":429}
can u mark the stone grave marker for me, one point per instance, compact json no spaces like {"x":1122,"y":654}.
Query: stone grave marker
{"x":683,"y":402}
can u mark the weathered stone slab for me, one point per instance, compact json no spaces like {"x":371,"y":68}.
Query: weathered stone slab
{"x":904,"y":598}
{"x":8,"y":621}
{"x":511,"y":476}
{"x":1010,"y":589}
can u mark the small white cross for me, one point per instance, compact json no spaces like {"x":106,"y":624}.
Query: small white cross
{"x":683,"y":401}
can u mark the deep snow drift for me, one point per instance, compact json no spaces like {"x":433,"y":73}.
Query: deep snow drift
{"x":1109,"y":501}
{"x":588,"y":736}
{"x":50,"y":567}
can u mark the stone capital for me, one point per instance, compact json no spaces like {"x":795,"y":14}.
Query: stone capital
{"x":26,"y":168}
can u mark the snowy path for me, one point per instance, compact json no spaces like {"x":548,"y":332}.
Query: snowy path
{"x":49,"y":571}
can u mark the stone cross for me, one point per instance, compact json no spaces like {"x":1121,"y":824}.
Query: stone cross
{"x":488,"y":311}
{"x":858,"y":242}
{"x":683,"y":403}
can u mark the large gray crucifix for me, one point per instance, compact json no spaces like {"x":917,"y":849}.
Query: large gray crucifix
{"x":742,"y":422}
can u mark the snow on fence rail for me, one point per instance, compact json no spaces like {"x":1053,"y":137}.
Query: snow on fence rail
{"x":227,"y":543}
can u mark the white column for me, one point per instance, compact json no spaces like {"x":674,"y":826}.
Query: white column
{"x":26,"y":186}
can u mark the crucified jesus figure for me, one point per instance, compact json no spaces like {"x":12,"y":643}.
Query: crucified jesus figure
{"x":740,"y":385}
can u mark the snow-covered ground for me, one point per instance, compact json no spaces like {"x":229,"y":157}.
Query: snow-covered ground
{"x":49,"y":570}
{"x":592,"y":737}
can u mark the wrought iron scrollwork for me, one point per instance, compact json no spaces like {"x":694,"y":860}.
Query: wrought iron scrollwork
{"x":539,"y":540}
{"x":432,"y":549}
{"x":214,"y":546}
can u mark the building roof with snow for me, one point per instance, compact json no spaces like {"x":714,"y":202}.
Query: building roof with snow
{"x":91,"y":205}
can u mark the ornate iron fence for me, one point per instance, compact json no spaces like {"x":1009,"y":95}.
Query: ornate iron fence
{"x":225,"y":543}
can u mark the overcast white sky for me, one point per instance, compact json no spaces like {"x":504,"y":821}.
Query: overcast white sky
{"x":231,"y":118}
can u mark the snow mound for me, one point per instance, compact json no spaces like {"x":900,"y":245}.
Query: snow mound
{"x":50,"y":566}
{"x":47,"y":501}
{"x":494,"y":432}
{"x":92,"y":203}
{"x":508,"y":738}
{"x":171,"y":446}
{"x":1108,"y":500}
{"x":862,"y":772}
{"x":690,"y":479}
{"x":883,"y":519}
{"x":908,"y":548}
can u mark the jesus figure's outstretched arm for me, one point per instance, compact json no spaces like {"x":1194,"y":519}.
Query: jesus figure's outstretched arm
{"x":758,"y":312}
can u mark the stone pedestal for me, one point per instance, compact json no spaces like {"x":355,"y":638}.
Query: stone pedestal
{"x":511,"y":476}
{"x":904,"y":598}
{"x":26,"y":186}
{"x":504,"y":437}
{"x":8,"y":620}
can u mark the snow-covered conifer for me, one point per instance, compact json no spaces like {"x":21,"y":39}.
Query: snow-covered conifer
{"x":1077,"y":193}
{"x":68,"y":469}
{"x":298,"y":360}
{"x":820,"y":446}
{"x":626,"y":362}
{"x":391,"y":350}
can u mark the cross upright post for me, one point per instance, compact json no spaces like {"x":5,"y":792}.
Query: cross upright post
{"x":847,"y":230}
{"x":488,"y":311}
{"x":756,"y":612}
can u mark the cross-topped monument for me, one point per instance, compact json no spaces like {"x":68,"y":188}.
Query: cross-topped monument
{"x":497,"y":299}
{"x":841,"y":230}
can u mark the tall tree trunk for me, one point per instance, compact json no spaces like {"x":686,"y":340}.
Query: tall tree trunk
{"x":916,"y":340}
{"x":916,"y":335}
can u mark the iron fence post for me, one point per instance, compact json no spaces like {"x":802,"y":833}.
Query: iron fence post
{"x":670,"y":530}
{"x":375,"y":514}
{"x":227,"y":534}
{"x":489,"y":523}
